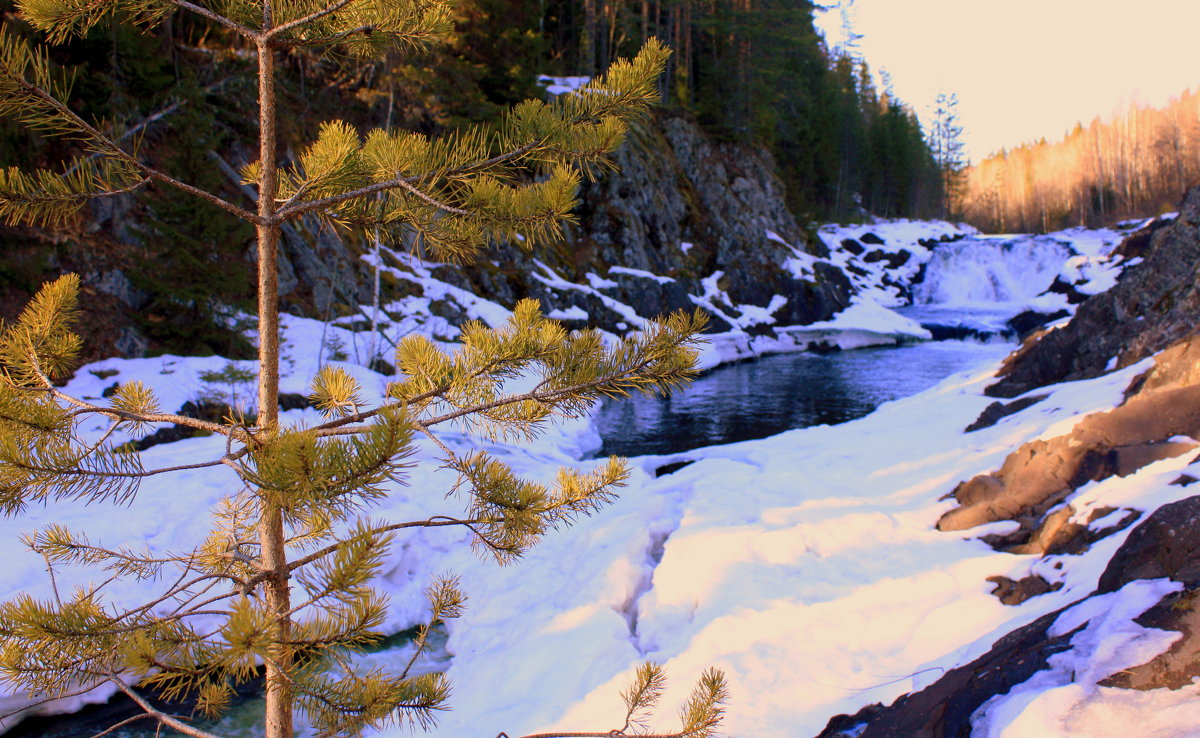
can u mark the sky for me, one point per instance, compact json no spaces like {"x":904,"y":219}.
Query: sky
{"x":1028,"y":69}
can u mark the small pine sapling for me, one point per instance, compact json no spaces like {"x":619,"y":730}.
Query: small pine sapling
{"x":282,"y":584}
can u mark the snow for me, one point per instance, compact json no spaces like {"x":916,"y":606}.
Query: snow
{"x":639,"y":273}
{"x":562,"y":85}
{"x":1066,"y":699}
{"x":806,"y":565}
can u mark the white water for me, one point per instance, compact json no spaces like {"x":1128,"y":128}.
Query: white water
{"x":991,"y":270}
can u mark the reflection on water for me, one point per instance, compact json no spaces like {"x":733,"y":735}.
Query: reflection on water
{"x":760,"y":398}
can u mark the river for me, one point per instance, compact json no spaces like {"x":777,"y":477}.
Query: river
{"x":760,"y":398}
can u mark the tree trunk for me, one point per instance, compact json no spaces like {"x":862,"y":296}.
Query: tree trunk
{"x":278,"y":711}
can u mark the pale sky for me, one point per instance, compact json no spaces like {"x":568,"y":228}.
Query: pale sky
{"x":1027,"y":69}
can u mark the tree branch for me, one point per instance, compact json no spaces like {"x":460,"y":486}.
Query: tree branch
{"x":106,"y":143}
{"x":399,"y":182}
{"x":271,"y":34}
{"x":436,"y":521}
{"x":218,"y":18}
{"x":158,"y":715}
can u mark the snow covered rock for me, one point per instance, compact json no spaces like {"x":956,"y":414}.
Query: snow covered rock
{"x":1155,"y":303}
{"x":1148,"y":426}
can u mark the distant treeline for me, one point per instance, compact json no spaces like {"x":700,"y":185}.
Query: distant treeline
{"x":1138,"y":164}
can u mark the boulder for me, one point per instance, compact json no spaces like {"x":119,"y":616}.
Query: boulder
{"x":944,"y":708}
{"x":997,"y":411}
{"x":1013,"y":592}
{"x":1166,"y":544}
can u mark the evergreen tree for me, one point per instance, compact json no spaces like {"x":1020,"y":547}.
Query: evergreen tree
{"x":299,"y":515}
{"x":947,"y":145}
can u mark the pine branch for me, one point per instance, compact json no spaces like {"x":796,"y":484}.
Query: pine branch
{"x":103,"y":142}
{"x":285,"y":27}
{"x":124,"y":415}
{"x":398,"y":182}
{"x":122,"y":724}
{"x":335,"y":38}
{"x":158,"y":715}
{"x":218,"y":18}
{"x":429,"y":199}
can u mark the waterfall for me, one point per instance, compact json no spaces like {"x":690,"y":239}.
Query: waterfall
{"x":978,"y":271}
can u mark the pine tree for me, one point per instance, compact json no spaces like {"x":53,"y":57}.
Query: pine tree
{"x":947,"y":145}
{"x":298,"y":521}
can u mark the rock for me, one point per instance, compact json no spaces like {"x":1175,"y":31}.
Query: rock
{"x":1179,"y":665}
{"x":1153,"y":305}
{"x":853,"y":246}
{"x":1040,"y":474}
{"x":956,"y":332}
{"x":944,"y":708}
{"x":894,"y":260}
{"x":673,"y":467}
{"x":1014,"y":592}
{"x":674,"y":185}
{"x":1136,"y":243}
{"x":996,"y":411}
{"x":871,"y":238}
{"x":1166,"y":544}
{"x":1060,"y":287}
{"x":1024,"y":323}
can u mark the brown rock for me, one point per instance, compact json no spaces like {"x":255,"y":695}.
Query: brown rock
{"x":1166,"y":544}
{"x":1178,"y":665}
{"x":1040,"y":474}
{"x":1014,"y":592}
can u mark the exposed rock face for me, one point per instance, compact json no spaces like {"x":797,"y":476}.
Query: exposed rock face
{"x":1161,"y":404}
{"x":1153,"y":309}
{"x":1155,"y":304}
{"x":708,"y":219}
{"x":944,"y":708}
{"x":1166,"y":544}
{"x":1040,"y":474}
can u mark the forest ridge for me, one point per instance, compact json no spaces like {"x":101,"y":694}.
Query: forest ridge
{"x":1137,"y":164}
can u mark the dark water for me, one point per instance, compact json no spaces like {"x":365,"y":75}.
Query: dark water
{"x":760,"y":398}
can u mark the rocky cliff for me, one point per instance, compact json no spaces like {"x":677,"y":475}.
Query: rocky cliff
{"x":1155,"y":303}
{"x":684,"y":221}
